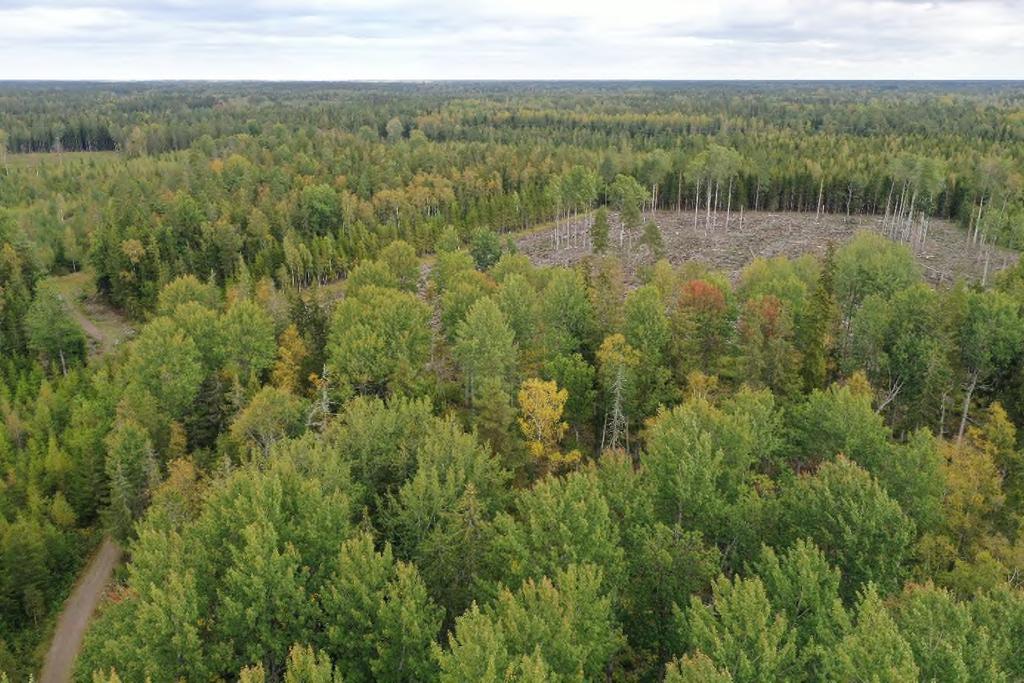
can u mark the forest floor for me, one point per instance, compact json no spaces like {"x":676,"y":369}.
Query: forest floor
{"x":105,"y":327}
{"x":77,"y":611}
{"x":946,"y":257}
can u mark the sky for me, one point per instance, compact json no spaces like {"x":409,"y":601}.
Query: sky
{"x":511,"y":39}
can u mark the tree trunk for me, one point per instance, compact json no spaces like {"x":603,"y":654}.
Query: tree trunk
{"x":696,"y":206}
{"x":728,"y":206}
{"x":972,"y":385}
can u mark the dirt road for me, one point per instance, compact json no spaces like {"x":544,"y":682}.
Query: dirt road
{"x":74,"y":619}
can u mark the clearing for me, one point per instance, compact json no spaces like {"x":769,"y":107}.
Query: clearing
{"x":105,"y":327}
{"x":947,"y":255}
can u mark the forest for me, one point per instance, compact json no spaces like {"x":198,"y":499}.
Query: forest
{"x":353,"y":433}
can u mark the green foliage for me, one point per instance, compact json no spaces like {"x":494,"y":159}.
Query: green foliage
{"x":283,"y":446}
{"x":871,"y":264}
{"x":485,"y":246}
{"x":484,"y":347}
{"x":51,"y":333}
{"x":739,"y":632}
{"x":166,"y":363}
{"x":379,"y":342}
{"x":272,"y":415}
{"x":845,"y":511}
{"x":874,"y":650}
{"x":566,"y":623}
{"x":599,"y":231}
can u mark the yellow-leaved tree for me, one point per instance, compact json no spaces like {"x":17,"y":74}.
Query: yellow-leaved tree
{"x":541,"y":404}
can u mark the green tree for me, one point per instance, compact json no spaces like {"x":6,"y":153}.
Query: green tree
{"x":249,"y":339}
{"x":485,"y":246}
{"x":401,"y":259}
{"x":272,"y":415}
{"x":990,"y":338}
{"x":844,"y":510}
{"x":131,"y":468}
{"x":166,"y":363}
{"x":51,"y":332}
{"x":484,"y":347}
{"x":379,"y":341}
{"x":874,"y":649}
{"x":802,"y":586}
{"x":740,"y":632}
{"x":567,"y":623}
{"x":599,"y":231}
{"x":560,"y":521}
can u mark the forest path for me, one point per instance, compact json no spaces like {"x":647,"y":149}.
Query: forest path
{"x":76,"y":613}
{"x":104,"y":326}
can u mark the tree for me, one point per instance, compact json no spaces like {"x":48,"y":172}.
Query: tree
{"x":701,"y":326}
{"x":166,"y":363}
{"x":292,"y":353}
{"x":740,"y":633}
{"x":381,"y":622}
{"x":943,"y":636}
{"x":52,"y":333}
{"x":653,"y":240}
{"x":617,"y":363}
{"x":484,"y":347}
{"x":767,"y":352}
{"x":379,"y":341}
{"x":185,"y":289}
{"x":627,"y":196}
{"x":559,"y":522}
{"x":577,"y":377}
{"x":273,"y":414}
{"x":401,"y":260}
{"x":646,"y":329}
{"x":874,"y":649}
{"x":870,"y":264}
{"x":408,"y":622}
{"x":990,"y":337}
{"x":805,"y":589}
{"x":131,"y":469}
{"x":485,"y":246}
{"x":440,"y":517}
{"x":541,"y":404}
{"x":861,"y":530}
{"x":599,"y":231}
{"x":564,"y":626}
{"x":249,"y":339}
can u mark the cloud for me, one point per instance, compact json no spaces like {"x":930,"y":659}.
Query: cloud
{"x":400,"y":39}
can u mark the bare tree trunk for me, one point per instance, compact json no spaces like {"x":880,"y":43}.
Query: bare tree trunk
{"x":977,"y":222}
{"x":728,"y":206}
{"x":821,"y":190}
{"x":971,"y":386}
{"x":714,"y":221}
{"x":707,"y":218}
{"x":696,"y":205}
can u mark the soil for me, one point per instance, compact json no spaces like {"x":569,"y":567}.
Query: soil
{"x":946,"y":256}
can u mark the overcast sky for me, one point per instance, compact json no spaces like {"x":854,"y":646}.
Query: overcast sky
{"x":397,"y":39}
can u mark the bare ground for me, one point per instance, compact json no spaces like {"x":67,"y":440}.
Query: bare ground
{"x":946,"y":256}
{"x":74,"y":619}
